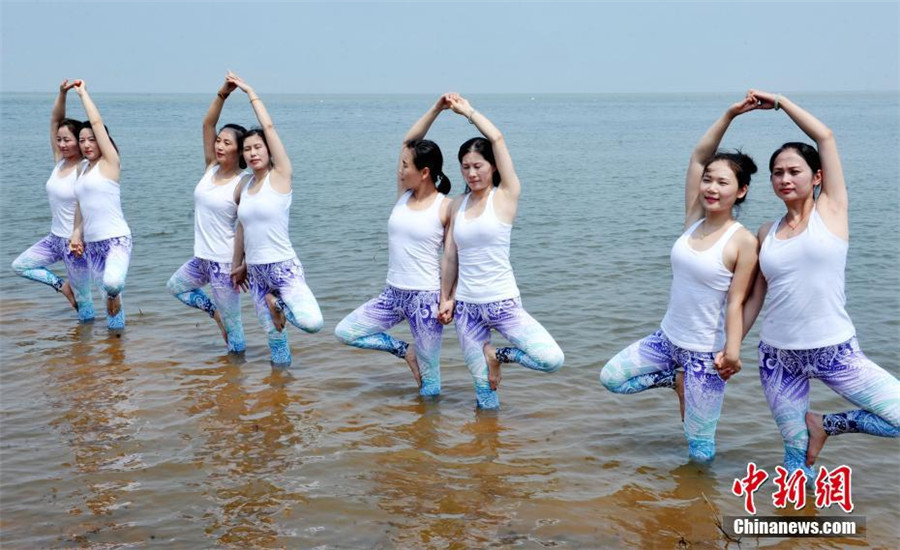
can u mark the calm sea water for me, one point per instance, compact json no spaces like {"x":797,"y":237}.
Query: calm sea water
{"x":155,"y":439}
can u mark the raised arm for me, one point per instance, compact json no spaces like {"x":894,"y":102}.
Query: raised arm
{"x":56,"y":115}
{"x":109,"y":163}
{"x":703,"y":151}
{"x":281,"y":164}
{"x":420,"y":128}
{"x":833,"y":201}
{"x":211,"y":119}
{"x":509,"y":181}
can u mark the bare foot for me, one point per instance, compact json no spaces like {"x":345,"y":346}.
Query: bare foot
{"x":113,"y":305}
{"x":277,"y":316}
{"x":66,"y":291}
{"x":413,"y":363}
{"x":218,"y":319}
{"x":494,"y":374}
{"x":679,"y":391}
{"x":817,"y":437}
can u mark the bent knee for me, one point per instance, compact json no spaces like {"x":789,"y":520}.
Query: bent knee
{"x":313,"y":324}
{"x":113,"y":286}
{"x":553,"y":361}
{"x":173,"y":287}
{"x":19,"y":266}
{"x":610,"y":378}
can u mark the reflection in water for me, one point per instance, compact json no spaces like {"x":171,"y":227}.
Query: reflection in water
{"x":93,"y":387}
{"x":252,"y":438}
{"x":446,"y":486}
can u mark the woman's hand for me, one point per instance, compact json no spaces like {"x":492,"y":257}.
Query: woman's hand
{"x":460,"y":105}
{"x":80,"y":87}
{"x":238,"y":82}
{"x":764,"y":100}
{"x":726,"y":365}
{"x":227,"y":86}
{"x":65,"y":85}
{"x":239,"y":278}
{"x":749,"y":103}
{"x":445,"y":311}
{"x":76,"y":245}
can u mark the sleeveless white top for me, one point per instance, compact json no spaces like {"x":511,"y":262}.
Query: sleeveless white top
{"x":695,"y":318}
{"x":415,"y":238}
{"x":215,"y":217}
{"x":101,"y":206}
{"x":61,"y":196}
{"x":805,"y":298}
{"x":485,"y":274}
{"x":265,"y":217}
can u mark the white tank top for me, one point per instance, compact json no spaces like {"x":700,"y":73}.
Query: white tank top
{"x":215,"y":216}
{"x":101,"y":206}
{"x":265,"y":217}
{"x":415,"y":238}
{"x":485,"y":274}
{"x":695,"y":318}
{"x":805,"y":298}
{"x":61,"y":195}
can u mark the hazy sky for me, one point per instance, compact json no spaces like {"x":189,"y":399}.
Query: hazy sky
{"x":471,"y":47}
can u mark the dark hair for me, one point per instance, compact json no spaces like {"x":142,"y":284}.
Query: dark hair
{"x":256,"y":132}
{"x":808,"y":152}
{"x":87,"y":125}
{"x":482,"y":147}
{"x":427,"y":154}
{"x":742,"y":166}
{"x":73,"y":125}
{"x":239,"y":133}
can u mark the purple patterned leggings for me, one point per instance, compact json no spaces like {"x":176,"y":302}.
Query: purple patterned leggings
{"x":785,"y":376}
{"x":534,"y":347}
{"x":286,"y":282}
{"x":187,"y":283}
{"x":365,"y":328}
{"x":32,"y":264}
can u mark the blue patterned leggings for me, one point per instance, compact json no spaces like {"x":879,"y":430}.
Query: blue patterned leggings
{"x":651,"y":363}
{"x":785,"y":376}
{"x":286,"y":282}
{"x":365,"y":328}
{"x":187,"y":283}
{"x":108,"y":261}
{"x":534,"y":347}
{"x":32,"y":264}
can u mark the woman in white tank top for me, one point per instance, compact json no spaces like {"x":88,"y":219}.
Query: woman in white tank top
{"x":101,"y":231}
{"x":806,"y":331}
{"x":215,"y":217}
{"x":478,"y":288}
{"x":32,"y":264}
{"x":417,"y":229}
{"x":713,"y":265}
{"x":262,"y":247}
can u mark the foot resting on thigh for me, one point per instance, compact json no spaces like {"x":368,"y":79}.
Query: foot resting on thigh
{"x":817,"y":437}
{"x":494,"y":375}
{"x":413,"y":363}
{"x":277,"y":315}
{"x":679,"y":391}
{"x":66,"y":291}
{"x":113,"y":305}
{"x":218,"y":319}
